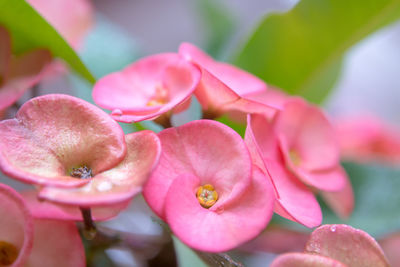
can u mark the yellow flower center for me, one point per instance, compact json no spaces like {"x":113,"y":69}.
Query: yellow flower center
{"x":294,"y":157}
{"x":160,"y":97}
{"x":8,"y":253}
{"x":207,"y":196}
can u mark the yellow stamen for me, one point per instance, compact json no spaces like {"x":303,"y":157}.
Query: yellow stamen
{"x":207,"y":196}
{"x":160,"y":97}
{"x":294,"y":157}
{"x":8,"y":253}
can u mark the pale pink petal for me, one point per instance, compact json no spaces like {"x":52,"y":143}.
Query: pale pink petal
{"x":341,"y":202}
{"x":72,"y":19}
{"x":56,"y":243}
{"x":346,"y":244}
{"x":277,"y":239}
{"x":216,"y":231}
{"x":211,"y":151}
{"x":240,"y":81}
{"x":118,"y":184}
{"x":306,"y":130}
{"x":305,"y":260}
{"x":167,"y":78}
{"x":43,"y":209}
{"x":16,"y":224}
{"x":390,"y":246}
{"x":5,"y":54}
{"x":272,"y":96}
{"x":53,"y":133}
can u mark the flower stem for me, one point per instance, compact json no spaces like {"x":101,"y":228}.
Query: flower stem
{"x":89,"y":231}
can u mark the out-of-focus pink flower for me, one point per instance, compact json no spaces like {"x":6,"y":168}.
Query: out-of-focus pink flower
{"x":336,"y":245}
{"x":148,"y":88}
{"x":298,"y":149}
{"x":19,"y":73}
{"x":391,"y":246}
{"x":223,"y":87}
{"x":72,"y":19}
{"x":366,"y":138}
{"x":75,"y":152}
{"x":31,"y":242}
{"x":206,"y":188}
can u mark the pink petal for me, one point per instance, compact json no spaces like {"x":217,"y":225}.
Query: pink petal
{"x":72,"y":25}
{"x":209,"y":150}
{"x":272,"y":96}
{"x":240,"y":81}
{"x":277,"y":239}
{"x":167,"y":75}
{"x":390,"y":246}
{"x":56,"y":243}
{"x":16,"y":224}
{"x":53,"y":133}
{"x":305,"y":260}
{"x":118,"y":184}
{"x":346,"y":244}
{"x":5,"y":54}
{"x":305,"y":129}
{"x":294,"y":200}
{"x":48,"y":210}
{"x":341,"y":202}
{"x":24,"y":72}
{"x":216,"y":231}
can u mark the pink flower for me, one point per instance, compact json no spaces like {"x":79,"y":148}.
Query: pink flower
{"x":336,"y":245}
{"x":19,"y":73}
{"x":72,"y":19}
{"x":148,"y":88}
{"x":223,"y":87}
{"x":206,"y":188}
{"x":365,"y":138}
{"x":32,"y":242}
{"x":298,"y":149}
{"x":75,"y":152}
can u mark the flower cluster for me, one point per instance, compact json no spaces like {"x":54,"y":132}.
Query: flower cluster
{"x":214,"y":189}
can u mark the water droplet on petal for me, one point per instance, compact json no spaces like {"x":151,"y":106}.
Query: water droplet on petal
{"x":116,"y":112}
{"x":333,"y":228}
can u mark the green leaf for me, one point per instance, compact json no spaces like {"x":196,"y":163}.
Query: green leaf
{"x":302,"y":51}
{"x":29,"y":30}
{"x":219,"y":25}
{"x":377,"y":198}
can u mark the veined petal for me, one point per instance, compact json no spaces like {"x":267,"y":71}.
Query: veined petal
{"x":52,"y":134}
{"x":305,"y":260}
{"x":118,"y":184}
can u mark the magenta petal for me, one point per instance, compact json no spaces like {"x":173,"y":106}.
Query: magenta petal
{"x":305,"y":260}
{"x":147,"y":88}
{"x":118,"y":184}
{"x":16,"y":224}
{"x":48,"y":210}
{"x":45,"y":141}
{"x":56,"y":243}
{"x":307,"y":131}
{"x":240,"y":81}
{"x":216,"y":231}
{"x":351,"y":246}
{"x":341,"y":202}
{"x":207,"y":149}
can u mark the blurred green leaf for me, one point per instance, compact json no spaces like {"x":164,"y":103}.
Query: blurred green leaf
{"x":240,"y":128}
{"x":29,"y":30}
{"x":219,"y":24}
{"x":301,"y":51}
{"x":377,"y":209}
